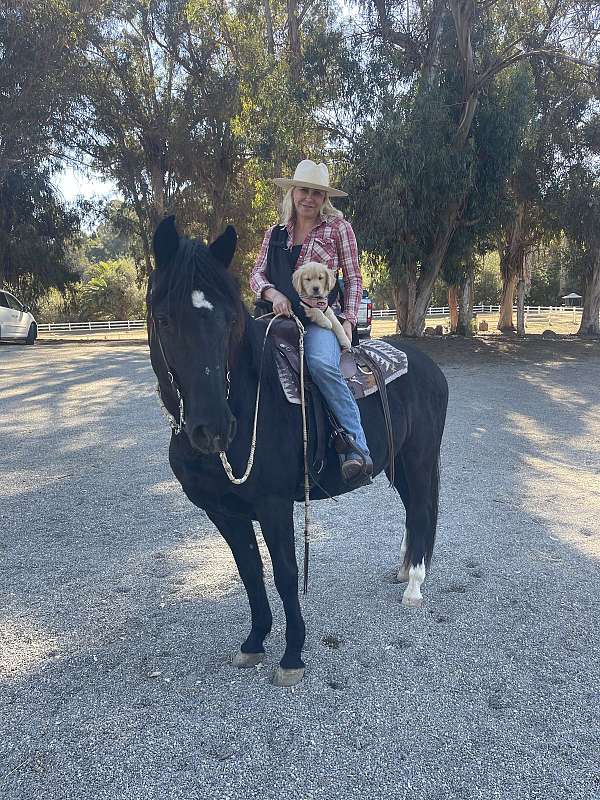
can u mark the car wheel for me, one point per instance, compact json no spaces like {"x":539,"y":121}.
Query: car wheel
{"x":32,"y":335}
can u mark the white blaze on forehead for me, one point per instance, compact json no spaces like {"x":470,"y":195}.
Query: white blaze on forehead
{"x":199,"y":301}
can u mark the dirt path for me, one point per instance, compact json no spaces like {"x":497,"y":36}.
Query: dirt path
{"x":120,"y":604}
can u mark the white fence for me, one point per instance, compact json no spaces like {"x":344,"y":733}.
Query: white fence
{"x":382,"y":313}
{"x":92,"y":327}
{"x":444,"y":311}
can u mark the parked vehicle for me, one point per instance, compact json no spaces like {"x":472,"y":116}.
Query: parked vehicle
{"x":16,"y":320}
{"x":365,"y":316}
{"x":365,"y":313}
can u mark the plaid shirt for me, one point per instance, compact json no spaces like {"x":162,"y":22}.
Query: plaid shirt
{"x":331,"y":242}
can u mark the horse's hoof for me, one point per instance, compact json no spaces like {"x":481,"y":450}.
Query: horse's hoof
{"x":243,"y":660}
{"x":287,"y":677}
{"x":412,"y":602}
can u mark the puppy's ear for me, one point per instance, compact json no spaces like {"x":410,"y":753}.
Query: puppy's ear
{"x":331,"y":279}
{"x":297,"y":280}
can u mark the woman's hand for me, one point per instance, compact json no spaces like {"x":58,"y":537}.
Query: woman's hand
{"x":281,"y":305}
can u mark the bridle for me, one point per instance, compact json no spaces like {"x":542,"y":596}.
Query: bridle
{"x":177,"y":426}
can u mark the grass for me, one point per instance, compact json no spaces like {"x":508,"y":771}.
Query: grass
{"x":559,"y":322}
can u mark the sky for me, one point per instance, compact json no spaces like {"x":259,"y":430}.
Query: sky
{"x":72,"y":184}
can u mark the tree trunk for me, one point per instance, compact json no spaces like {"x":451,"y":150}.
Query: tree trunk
{"x":465,"y":309}
{"x":401,"y":307}
{"x":512,"y":267}
{"x":404,"y":299}
{"x":453,"y":307}
{"x":521,"y":307}
{"x":269,"y":24}
{"x":293,"y":39}
{"x":590,"y":323}
{"x":505,"y":320}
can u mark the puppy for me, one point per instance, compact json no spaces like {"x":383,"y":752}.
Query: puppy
{"x":313,"y":282}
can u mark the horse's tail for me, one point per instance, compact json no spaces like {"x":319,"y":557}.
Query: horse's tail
{"x":435,"y":504}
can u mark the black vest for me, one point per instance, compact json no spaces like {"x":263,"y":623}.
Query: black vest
{"x":279,"y":270}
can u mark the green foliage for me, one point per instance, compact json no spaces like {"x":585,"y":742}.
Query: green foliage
{"x":488,"y":282}
{"x":498,"y":132}
{"x":35,"y":231}
{"x":109,"y":291}
{"x":404,"y":171}
{"x":546,"y":275}
{"x":376,"y":279}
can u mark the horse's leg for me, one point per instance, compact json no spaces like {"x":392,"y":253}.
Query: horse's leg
{"x":420,"y":497}
{"x":239,"y":535}
{"x":402,"y":489}
{"x":277,"y":522}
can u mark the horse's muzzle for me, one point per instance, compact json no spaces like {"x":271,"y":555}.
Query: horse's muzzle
{"x":207,"y":441}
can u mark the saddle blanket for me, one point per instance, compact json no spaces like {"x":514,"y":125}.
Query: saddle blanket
{"x":358,"y":374}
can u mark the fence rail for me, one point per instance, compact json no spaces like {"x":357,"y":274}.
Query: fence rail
{"x":444,"y":311}
{"x":93,"y":327}
{"x":382,"y":313}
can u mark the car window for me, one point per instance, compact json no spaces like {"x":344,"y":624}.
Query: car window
{"x":13,"y":302}
{"x":3,"y":302}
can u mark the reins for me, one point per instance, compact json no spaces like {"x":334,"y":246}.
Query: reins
{"x":250,"y":464}
{"x":177,"y":425}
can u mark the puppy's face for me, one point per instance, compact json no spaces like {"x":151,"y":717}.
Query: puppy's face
{"x":313,"y":280}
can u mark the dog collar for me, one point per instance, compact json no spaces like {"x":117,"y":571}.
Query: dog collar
{"x":315,"y":302}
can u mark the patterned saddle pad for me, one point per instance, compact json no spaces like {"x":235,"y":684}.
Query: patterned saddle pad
{"x":358,"y":373}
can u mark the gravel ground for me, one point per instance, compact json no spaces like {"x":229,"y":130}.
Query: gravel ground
{"x":120,"y":604}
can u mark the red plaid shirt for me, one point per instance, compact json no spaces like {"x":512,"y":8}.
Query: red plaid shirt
{"x":331,"y":242}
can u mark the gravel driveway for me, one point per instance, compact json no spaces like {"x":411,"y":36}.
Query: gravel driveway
{"x":120,"y":604}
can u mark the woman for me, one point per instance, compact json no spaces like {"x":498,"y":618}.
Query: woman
{"x":312,"y":229}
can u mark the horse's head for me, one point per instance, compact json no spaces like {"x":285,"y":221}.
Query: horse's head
{"x":194,"y":319}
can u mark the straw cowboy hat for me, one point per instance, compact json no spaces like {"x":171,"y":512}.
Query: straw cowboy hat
{"x":311,"y":176}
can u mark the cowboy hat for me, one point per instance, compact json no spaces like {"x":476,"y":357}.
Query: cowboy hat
{"x":311,"y":176}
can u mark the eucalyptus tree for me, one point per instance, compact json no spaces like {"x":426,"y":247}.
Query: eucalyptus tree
{"x":188,"y":106}
{"x":35,"y":86}
{"x":449,"y":54}
{"x":560,"y":104}
{"x":36,"y":230}
{"x":577,"y":205}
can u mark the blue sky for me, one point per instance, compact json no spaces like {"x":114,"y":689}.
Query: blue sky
{"x":72,"y":184}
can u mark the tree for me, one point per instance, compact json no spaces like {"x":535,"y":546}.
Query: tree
{"x":187,"y":106}
{"x":35,"y":226}
{"x":109,"y":291}
{"x":35,"y":233}
{"x":448,"y":55}
{"x":37,"y":38}
{"x":581,"y":223}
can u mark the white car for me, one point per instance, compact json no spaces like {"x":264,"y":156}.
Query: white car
{"x":16,"y":320}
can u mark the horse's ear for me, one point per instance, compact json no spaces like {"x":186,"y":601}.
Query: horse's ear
{"x":165,"y":242}
{"x":224,"y":246}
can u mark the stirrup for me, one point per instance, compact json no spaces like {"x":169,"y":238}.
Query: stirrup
{"x":358,"y":469}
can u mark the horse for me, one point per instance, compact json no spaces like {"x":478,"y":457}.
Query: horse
{"x":208,"y":354}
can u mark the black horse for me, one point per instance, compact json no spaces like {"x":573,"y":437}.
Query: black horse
{"x":206,"y":348}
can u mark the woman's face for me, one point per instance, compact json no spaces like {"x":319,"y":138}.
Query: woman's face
{"x":307,"y":202}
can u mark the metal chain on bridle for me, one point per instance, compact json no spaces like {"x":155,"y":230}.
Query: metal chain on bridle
{"x":178,"y":425}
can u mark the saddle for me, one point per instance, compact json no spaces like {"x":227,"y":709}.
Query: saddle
{"x":367,"y":368}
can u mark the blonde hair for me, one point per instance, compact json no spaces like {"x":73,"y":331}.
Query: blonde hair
{"x":288,"y":211}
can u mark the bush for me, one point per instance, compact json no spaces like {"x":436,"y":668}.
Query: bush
{"x":109,"y":291}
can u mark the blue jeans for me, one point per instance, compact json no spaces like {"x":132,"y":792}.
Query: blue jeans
{"x":322,"y":352}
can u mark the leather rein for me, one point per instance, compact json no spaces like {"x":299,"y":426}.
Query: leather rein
{"x":178,"y":425}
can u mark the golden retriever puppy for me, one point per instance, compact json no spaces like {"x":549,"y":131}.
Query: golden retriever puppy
{"x":313,"y":282}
